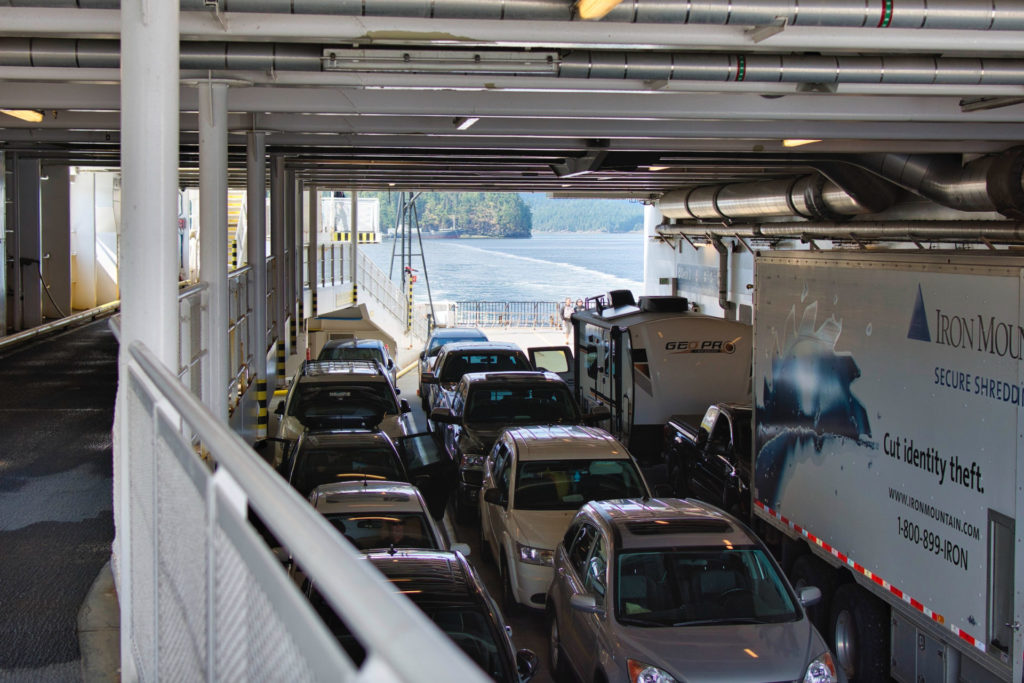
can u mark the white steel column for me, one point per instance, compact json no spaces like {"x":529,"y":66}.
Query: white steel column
{"x":28,"y":290}
{"x":213,"y":241}
{"x":311,"y":252}
{"x":148,"y":274}
{"x":354,"y":241}
{"x":277,"y":214}
{"x":3,"y":244}
{"x":55,"y":231}
{"x":256,"y":255}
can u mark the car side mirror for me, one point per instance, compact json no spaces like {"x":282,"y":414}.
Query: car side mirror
{"x":443,"y":415}
{"x":598,"y":414}
{"x":494,"y":496}
{"x":461,"y":548}
{"x":403,"y":405}
{"x":585,"y":602}
{"x":423,"y":355}
{"x":279,"y":410}
{"x":391,"y":363}
{"x":527,"y":664}
{"x":809,"y":596}
{"x":429,"y":378}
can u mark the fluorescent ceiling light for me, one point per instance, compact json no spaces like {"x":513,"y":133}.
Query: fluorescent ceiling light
{"x":595,"y":9}
{"x":657,"y":168}
{"x":797,"y":143}
{"x":464,"y":122}
{"x":440,"y":61}
{"x":30,"y":115}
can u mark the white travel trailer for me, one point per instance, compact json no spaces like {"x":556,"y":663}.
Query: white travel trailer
{"x":650,"y":361}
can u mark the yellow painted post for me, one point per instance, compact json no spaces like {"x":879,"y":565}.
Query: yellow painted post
{"x":262,"y":419}
{"x":280,"y":358}
{"x":234,"y":254}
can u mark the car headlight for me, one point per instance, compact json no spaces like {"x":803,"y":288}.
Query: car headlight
{"x":821,"y":670}
{"x":534,"y":555}
{"x":639,"y":672}
{"x":473,"y":460}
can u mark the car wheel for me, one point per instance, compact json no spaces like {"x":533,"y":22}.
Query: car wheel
{"x":508,"y":596}
{"x":859,"y":630}
{"x":559,"y":667}
{"x":810,"y":571}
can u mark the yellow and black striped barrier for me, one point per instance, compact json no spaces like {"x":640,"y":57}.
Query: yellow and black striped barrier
{"x":293,"y":335}
{"x":408,"y":307}
{"x":234,"y":254}
{"x":262,"y":418}
{"x":280,"y":357}
{"x":312,"y":303}
{"x":355,"y":293}
{"x":364,"y":237}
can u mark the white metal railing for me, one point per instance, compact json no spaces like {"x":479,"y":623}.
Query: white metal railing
{"x":375,"y":282}
{"x":205,"y":599}
{"x":241,"y":333}
{"x":193,"y":347}
{"x":330,"y":264}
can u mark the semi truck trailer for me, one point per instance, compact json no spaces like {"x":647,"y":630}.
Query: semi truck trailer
{"x":888,"y":471}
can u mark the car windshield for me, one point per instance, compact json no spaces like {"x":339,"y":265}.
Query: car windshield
{"x":437,"y":342}
{"x":549,"y":404}
{"x":350,"y":353}
{"x":458,"y":364}
{"x":344,"y":400}
{"x":568,"y":484}
{"x":699,"y":586}
{"x":472,"y":630}
{"x":317,"y":466}
{"x":381,"y":529}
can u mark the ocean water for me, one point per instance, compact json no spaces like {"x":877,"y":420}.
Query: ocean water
{"x":546,"y":267}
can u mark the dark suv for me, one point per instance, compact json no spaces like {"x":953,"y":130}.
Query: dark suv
{"x":459,"y":358}
{"x":343,"y":395}
{"x":485,"y":403}
{"x":446,"y":589}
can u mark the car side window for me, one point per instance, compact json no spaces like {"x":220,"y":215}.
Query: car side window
{"x":594,"y":580}
{"x":503,"y":471}
{"x":580,"y":549}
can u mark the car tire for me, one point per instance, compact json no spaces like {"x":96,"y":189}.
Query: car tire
{"x":859,"y":634}
{"x":808,"y":570}
{"x":556,"y":656}
{"x":508,"y":596}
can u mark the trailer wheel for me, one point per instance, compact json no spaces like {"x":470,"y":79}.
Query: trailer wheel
{"x":810,"y":571}
{"x":859,"y":630}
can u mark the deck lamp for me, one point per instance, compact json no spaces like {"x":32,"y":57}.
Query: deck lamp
{"x":30,"y":115}
{"x":595,"y":9}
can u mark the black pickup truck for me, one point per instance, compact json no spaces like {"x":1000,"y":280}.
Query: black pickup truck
{"x":712,"y":461}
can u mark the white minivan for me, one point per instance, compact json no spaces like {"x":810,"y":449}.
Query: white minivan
{"x":535,"y":479}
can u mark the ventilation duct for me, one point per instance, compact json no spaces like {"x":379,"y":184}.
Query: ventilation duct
{"x":992,"y":183}
{"x":811,"y":197}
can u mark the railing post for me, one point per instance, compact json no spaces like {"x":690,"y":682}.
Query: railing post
{"x":314,"y":236}
{"x":277,"y":247}
{"x":354,"y":230}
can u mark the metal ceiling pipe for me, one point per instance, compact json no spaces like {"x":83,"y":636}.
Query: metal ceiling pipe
{"x":892,"y":231}
{"x":811,"y":197}
{"x":990,"y":183}
{"x":764,"y":68}
{"x":994,"y":15}
{"x":582,"y":64}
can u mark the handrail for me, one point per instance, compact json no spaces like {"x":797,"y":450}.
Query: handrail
{"x":392,"y":626}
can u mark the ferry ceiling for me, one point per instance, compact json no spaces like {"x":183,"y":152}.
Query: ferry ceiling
{"x":742,"y":113}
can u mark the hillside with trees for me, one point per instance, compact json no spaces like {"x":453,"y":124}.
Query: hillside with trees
{"x":502,"y":214}
{"x":483,"y":214}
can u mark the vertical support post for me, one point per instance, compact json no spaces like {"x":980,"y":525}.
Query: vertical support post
{"x":3,"y":244}
{"x":256,"y":253}
{"x":354,"y":223}
{"x":213,"y":241}
{"x":408,"y":302}
{"x":289,"y":252}
{"x":148,"y":274}
{"x":298,"y":288}
{"x":277,"y":215}
{"x":28,"y":290}
{"x":311,"y":252}
{"x":55,"y":199}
